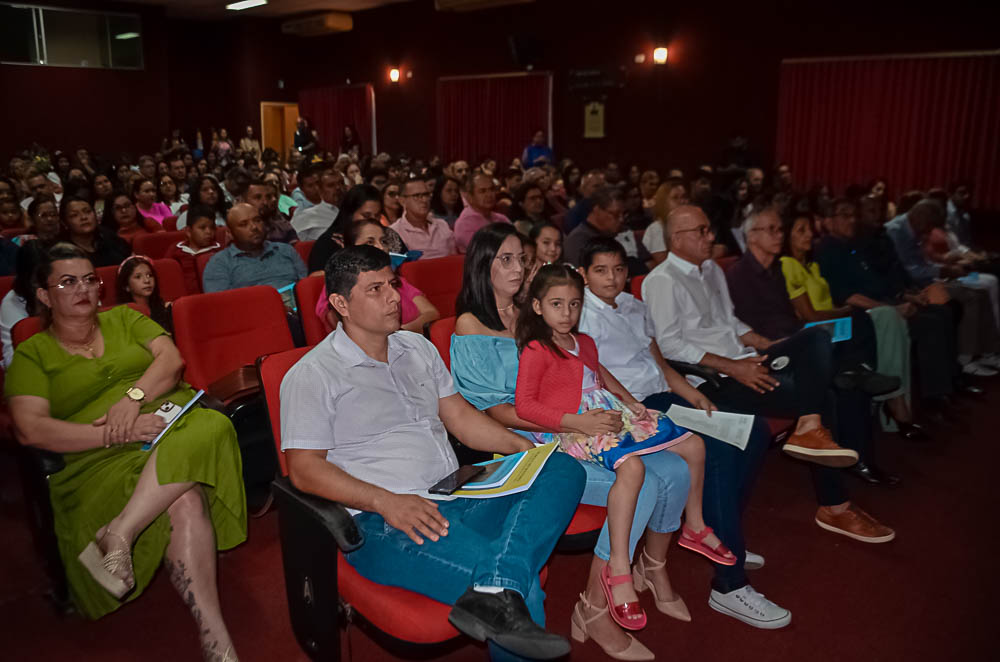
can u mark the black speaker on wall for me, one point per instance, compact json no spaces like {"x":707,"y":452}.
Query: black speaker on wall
{"x":525,"y":50}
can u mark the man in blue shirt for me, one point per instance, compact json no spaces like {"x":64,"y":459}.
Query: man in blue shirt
{"x":250,"y":259}
{"x":537,"y":153}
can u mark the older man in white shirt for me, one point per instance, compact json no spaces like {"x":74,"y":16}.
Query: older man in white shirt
{"x":313,"y":221}
{"x":620,"y":325}
{"x":364,"y":421}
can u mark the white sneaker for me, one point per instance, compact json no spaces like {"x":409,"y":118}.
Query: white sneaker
{"x":991,"y":361}
{"x":977,"y":369}
{"x":751,"y":607}
{"x":753,"y":561}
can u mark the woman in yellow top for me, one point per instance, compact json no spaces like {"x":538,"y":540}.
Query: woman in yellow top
{"x":88,"y":387}
{"x":810,"y":296}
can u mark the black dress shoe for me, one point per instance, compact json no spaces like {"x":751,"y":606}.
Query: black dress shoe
{"x":912,"y":431}
{"x":504,"y":619}
{"x":873,"y":475}
{"x":971,"y":391}
{"x":867,"y":380}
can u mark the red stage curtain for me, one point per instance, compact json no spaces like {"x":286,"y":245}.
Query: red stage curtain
{"x":494,"y":116}
{"x":328,"y":109}
{"x":917,"y":121}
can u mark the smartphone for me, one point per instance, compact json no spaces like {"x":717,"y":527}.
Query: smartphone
{"x":456,"y":479}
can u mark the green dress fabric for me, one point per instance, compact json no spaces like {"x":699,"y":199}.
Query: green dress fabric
{"x":96,"y":484}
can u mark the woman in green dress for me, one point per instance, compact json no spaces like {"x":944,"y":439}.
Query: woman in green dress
{"x":87,"y":387}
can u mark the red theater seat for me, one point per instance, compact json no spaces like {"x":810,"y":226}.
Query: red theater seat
{"x":304,"y":248}
{"x":636,"y":287}
{"x":169,"y":224}
{"x":440,"y":279}
{"x":440,"y":332}
{"x":307,"y":293}
{"x":108,"y":295}
{"x":170,"y":278}
{"x":155,"y":245}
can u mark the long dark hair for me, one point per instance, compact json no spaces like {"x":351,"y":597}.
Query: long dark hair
{"x":157,"y":310}
{"x":531,"y":325}
{"x":476,"y":295}
{"x":437,"y":205}
{"x":791,"y":216}
{"x":108,"y":219}
{"x":221,"y":207}
{"x":353,"y":200}
{"x":517,"y":212}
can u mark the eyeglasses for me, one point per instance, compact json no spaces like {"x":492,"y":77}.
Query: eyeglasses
{"x":391,"y":194}
{"x":89,"y":282}
{"x":702,"y":230}
{"x":774,"y":230}
{"x":418,"y":196}
{"x":508,"y":260}
{"x":124,"y":207}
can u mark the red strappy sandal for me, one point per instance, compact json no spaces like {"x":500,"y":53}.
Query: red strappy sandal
{"x":695,"y":542}
{"x":628,"y":615}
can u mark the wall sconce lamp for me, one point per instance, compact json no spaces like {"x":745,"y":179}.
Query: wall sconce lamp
{"x":660,"y":55}
{"x":394,"y":75}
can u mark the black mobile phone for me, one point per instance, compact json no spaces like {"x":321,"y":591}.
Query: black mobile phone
{"x":456,"y":479}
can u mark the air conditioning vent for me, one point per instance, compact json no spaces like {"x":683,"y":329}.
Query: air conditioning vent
{"x":475,"y":5}
{"x":319,"y":25}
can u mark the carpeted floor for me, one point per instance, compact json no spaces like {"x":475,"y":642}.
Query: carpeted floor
{"x":926,"y":596}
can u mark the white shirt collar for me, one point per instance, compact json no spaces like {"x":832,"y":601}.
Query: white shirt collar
{"x":682,"y":264}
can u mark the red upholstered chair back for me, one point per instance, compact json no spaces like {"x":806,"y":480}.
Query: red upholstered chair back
{"x":636,"y":287}
{"x":222,"y":235}
{"x":272,"y":368}
{"x":440,"y":279}
{"x":222,"y":331}
{"x":199,"y":264}
{"x":24,"y":329}
{"x":170,"y":278}
{"x":107,"y":295}
{"x":440,"y":333}
{"x":304,"y":248}
{"x":10,"y":233}
{"x":169,"y":224}
{"x":155,"y":245}
{"x":307,"y":293}
{"x":727,"y":261}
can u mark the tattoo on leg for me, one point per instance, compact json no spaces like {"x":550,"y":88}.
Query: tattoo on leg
{"x":182,"y":583}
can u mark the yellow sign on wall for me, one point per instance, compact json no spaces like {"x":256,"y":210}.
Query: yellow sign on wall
{"x":593,"y":119}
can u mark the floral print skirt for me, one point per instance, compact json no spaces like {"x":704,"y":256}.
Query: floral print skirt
{"x":637,"y":436}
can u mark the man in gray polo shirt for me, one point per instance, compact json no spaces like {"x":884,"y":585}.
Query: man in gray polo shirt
{"x":364,"y":421}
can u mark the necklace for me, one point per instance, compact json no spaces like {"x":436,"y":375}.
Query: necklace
{"x":505,"y":308}
{"x":86,"y":346}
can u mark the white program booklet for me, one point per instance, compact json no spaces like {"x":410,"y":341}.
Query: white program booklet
{"x":731,"y":428}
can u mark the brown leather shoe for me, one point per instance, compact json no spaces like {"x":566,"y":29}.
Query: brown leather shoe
{"x":817,"y":445}
{"x":854,"y":523}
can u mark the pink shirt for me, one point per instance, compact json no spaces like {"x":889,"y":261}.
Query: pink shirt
{"x":407,"y":308}
{"x":436,"y":241}
{"x":469,"y":222}
{"x":157,"y":212}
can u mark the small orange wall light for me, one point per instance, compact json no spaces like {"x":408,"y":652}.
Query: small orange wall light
{"x":660,"y":55}
{"x":394,"y":75}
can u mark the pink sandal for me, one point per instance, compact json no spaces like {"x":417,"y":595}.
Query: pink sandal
{"x":694,"y":541}
{"x":628,"y":615}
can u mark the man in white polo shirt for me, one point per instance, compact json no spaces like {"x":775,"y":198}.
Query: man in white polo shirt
{"x":313,"y":221}
{"x":364,"y":421}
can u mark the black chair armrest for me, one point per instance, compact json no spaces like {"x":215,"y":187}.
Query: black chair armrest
{"x":330,"y":514}
{"x":48,"y":462}
{"x":710,"y":375}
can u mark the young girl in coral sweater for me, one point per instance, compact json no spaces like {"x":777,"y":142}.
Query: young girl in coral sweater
{"x":562,"y":386}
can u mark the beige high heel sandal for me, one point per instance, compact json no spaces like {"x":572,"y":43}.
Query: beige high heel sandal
{"x":579,"y":630}
{"x":108,"y":569}
{"x":673,"y":608}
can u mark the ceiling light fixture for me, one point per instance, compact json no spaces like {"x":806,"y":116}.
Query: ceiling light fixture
{"x":245,"y":4}
{"x":127,"y":35}
{"x":660,"y":55}
{"x":394,"y":75}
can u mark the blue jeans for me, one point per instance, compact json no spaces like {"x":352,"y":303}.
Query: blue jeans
{"x":729,"y":477}
{"x":661,"y":498}
{"x":503,"y":541}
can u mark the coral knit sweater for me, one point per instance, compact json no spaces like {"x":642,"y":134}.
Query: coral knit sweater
{"x":549,"y":386}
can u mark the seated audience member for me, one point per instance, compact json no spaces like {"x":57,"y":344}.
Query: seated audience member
{"x":137,"y":283}
{"x":200,"y":239}
{"x":670,"y":195}
{"x":636,"y":218}
{"x":175,"y":505}
{"x":978,"y":337}
{"x":446,"y":201}
{"x":122,"y":218}
{"x":178,"y":170}
{"x":249,"y":145}
{"x":167,"y":193}
{"x":415,"y":310}
{"x":144,"y":196}
{"x":512,"y":178}
{"x":548,"y":243}
{"x":810,"y":295}
{"x":421,"y":230}
{"x":538,"y":152}
{"x":392,"y":208}
{"x":620,"y":326}
{"x":391,"y":445}
{"x":264,"y":198}
{"x":11,"y":215}
{"x":37,"y":183}
{"x":528,"y":207}
{"x":648,"y":184}
{"x":20,"y":301}
{"x":861,"y":266}
{"x":277,"y":178}
{"x":484,"y":363}
{"x":694,"y":322}
{"x":605,"y":220}
{"x":251,"y":259}
{"x":727,"y":223}
{"x":308,"y":193}
{"x":362,"y":202}
{"x":760,"y":296}
{"x":102,"y":245}
{"x":482,"y":196}
{"x":312,"y":222}
{"x":583,"y":204}
{"x":8,"y":256}
{"x":206,"y":191}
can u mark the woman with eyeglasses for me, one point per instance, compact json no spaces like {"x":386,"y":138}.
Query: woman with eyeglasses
{"x":122,"y":217}
{"x":360,"y":203}
{"x":101,"y":244}
{"x":89,"y":387}
{"x":392,"y":206}
{"x":484,"y":363}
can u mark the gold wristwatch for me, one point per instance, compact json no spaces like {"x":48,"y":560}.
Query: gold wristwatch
{"x":136,"y":394}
